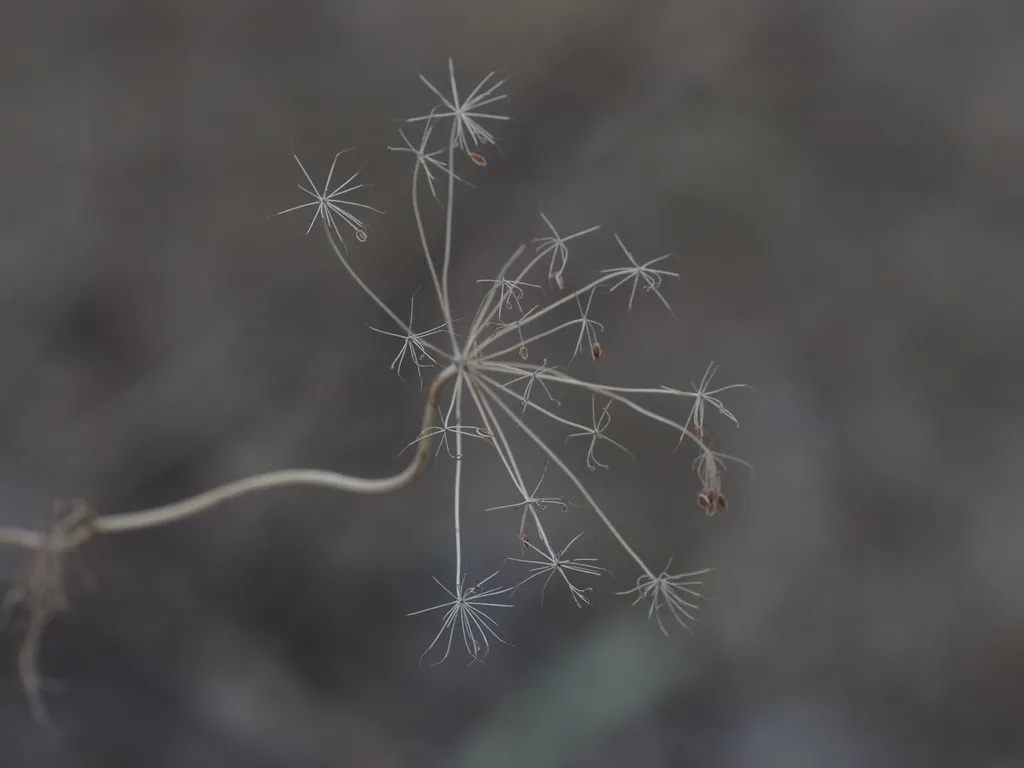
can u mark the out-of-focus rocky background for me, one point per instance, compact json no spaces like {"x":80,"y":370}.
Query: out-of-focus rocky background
{"x":844,"y":183}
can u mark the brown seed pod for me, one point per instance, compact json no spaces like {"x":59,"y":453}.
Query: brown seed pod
{"x":478,"y":159}
{"x":596,"y":351}
{"x":721,"y":502}
{"x":699,"y":432}
{"x":704,"y":501}
{"x":524,"y":352}
{"x":483,"y":431}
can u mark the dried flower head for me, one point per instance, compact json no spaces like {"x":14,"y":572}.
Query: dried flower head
{"x":484,"y":395}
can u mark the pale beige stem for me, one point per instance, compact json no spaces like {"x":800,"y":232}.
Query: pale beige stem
{"x":171,"y":513}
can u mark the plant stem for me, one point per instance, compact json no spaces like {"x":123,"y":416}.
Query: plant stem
{"x":180,"y":510}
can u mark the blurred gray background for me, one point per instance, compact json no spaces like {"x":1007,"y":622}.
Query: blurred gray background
{"x":843,"y":182}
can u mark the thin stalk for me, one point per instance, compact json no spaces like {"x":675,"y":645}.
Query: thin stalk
{"x":449,"y":214}
{"x":445,"y":309}
{"x":572,"y":477}
{"x":203,"y":502}
{"x":526,"y":342}
{"x":613,"y":393}
{"x":537,"y":315}
{"x":457,"y":397}
{"x":550,"y":414}
{"x":505,"y":450}
{"x":564,"y":378}
{"x":377,"y":300}
{"x":486,"y":312}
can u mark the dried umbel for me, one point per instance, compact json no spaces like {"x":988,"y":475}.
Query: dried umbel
{"x":490,"y":373}
{"x":485,"y":395}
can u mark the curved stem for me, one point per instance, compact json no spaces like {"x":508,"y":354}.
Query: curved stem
{"x":445,"y":309}
{"x":18,"y":537}
{"x":377,"y":299}
{"x":456,"y":352}
{"x":172,"y":513}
